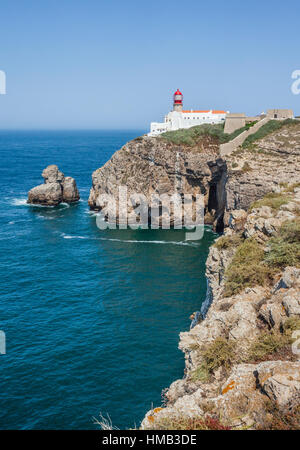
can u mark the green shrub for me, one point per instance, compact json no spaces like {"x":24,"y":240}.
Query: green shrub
{"x":290,"y":325}
{"x":251,"y":124}
{"x":225,"y":242}
{"x":247,"y":268}
{"x":285,"y":247}
{"x":274,"y":200}
{"x":268,"y":128}
{"x":267,"y":344}
{"x":201,"y":374}
{"x":192,"y":136}
{"x":221,"y":352}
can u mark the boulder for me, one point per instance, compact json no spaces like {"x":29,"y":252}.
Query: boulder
{"x":52,"y":175}
{"x":56,"y":189}
{"x":70,"y":191}
{"x":46,"y":194}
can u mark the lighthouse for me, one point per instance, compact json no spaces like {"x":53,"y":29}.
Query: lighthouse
{"x":179,"y":118}
{"x":177,"y":101}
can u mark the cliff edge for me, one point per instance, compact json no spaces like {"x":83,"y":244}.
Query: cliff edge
{"x":242,"y":367}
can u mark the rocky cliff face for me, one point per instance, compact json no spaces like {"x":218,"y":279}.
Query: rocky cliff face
{"x":262,"y":167}
{"x":56,"y":189}
{"x":151,"y":165}
{"x":242,"y":363}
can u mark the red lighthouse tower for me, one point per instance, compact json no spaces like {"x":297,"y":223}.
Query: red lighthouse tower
{"x":177,"y":101}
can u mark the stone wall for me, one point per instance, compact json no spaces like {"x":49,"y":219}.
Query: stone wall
{"x":229,"y":147}
{"x":234,"y":122}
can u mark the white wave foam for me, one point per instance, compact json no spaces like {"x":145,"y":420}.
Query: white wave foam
{"x":133,"y":241}
{"x":23,"y":202}
{"x":19,"y":201}
{"x":67,"y":236}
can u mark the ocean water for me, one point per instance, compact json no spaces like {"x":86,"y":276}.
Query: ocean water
{"x":91,"y":317}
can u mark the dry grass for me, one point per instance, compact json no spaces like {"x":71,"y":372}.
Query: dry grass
{"x":104,"y":423}
{"x":273,"y":200}
{"x":267,"y":344}
{"x":188,"y":423}
{"x":277,"y":418}
{"x":285,"y":247}
{"x":226,"y":242}
{"x":247,"y":268}
{"x":221,"y":352}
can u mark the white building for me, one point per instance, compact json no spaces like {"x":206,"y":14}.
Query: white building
{"x":179,"y":118}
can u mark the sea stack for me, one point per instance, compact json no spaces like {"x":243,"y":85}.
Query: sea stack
{"x":56,"y":189}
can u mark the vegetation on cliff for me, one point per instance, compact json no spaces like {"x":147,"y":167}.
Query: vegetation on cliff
{"x":185,"y":422}
{"x":220,"y":353}
{"x":247,"y":268}
{"x":274,"y":200}
{"x":268,"y":128}
{"x":240,"y":360}
{"x":284,"y":248}
{"x":194,"y":135}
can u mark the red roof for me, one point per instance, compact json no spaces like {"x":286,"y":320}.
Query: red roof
{"x":178,"y":92}
{"x":191,"y":111}
{"x":195,"y":111}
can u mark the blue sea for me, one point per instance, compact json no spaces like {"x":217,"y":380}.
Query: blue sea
{"x":91,"y":318}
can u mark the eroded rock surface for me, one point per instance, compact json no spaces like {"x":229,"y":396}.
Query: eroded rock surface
{"x":240,"y":394}
{"x":153,"y":166}
{"x":261,"y":168}
{"x":56,"y":189}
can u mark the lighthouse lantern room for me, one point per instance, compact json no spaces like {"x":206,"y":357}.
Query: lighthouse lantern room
{"x":177,"y":101}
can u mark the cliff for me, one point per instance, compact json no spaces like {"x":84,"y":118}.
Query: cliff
{"x":189,"y":162}
{"x":153,"y":165}
{"x":242,"y":367}
{"x":242,"y":361}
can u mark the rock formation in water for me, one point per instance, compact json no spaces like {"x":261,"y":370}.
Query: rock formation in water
{"x":154,"y":166}
{"x":56,"y":189}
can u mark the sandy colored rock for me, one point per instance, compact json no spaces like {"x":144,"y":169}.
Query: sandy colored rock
{"x":56,"y":189}
{"x":49,"y":194}
{"x":70,"y":191}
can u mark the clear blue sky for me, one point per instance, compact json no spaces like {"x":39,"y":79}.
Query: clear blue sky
{"x":115,"y":64}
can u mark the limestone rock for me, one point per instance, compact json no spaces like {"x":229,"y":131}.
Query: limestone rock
{"x":56,"y":189}
{"x":275,"y":162}
{"x":240,"y":395}
{"x":289,"y":277}
{"x":154,"y":166}
{"x":52,"y":175}
{"x":49,"y":194}
{"x":70,"y":191}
